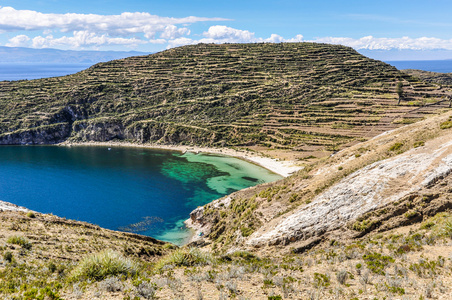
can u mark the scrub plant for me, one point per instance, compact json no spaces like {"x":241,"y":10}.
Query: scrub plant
{"x":104,"y":264}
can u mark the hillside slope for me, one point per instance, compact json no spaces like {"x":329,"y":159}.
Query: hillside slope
{"x":369,"y":186}
{"x":301,"y":98}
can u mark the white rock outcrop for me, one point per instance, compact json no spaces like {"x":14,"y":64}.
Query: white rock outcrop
{"x":371,"y":187}
{"x":13,"y":207}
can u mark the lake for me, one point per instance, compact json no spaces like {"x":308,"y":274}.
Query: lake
{"x":440,"y":66}
{"x":146,"y":191}
{"x":18,"y":71}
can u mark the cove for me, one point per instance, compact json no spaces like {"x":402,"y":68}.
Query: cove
{"x":139,"y":190}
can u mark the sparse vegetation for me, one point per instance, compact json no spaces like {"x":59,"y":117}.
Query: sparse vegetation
{"x":396,"y":147}
{"x":104,"y":264}
{"x":185,"y":257}
{"x":19,"y":240}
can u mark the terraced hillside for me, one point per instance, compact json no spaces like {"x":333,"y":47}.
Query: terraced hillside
{"x":434,"y":77}
{"x":301,"y":97}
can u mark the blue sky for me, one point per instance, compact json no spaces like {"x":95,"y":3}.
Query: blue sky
{"x":146,"y":25}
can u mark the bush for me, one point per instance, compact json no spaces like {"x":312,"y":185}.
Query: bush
{"x":395,"y":147}
{"x":185,"y":257}
{"x":19,"y":240}
{"x":321,"y":280}
{"x":446,"y":125}
{"x":342,"y":276}
{"x":147,"y":290}
{"x":104,"y":264}
{"x":418,"y":144}
{"x":376,"y":262}
{"x":8,"y":256}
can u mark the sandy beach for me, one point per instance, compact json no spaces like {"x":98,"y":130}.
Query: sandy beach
{"x":282,"y":167}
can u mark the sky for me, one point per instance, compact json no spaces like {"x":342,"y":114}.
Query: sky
{"x":151,"y":26}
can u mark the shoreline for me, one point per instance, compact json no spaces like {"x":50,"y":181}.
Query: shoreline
{"x":282,"y":168}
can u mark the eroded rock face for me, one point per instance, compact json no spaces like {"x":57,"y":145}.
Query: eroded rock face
{"x":363,"y":191}
{"x":51,"y":134}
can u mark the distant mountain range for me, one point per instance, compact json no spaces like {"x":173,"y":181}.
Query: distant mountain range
{"x":55,"y":56}
{"x":28,"y":55}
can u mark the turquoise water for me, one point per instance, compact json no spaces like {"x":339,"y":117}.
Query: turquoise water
{"x":150,"y":192}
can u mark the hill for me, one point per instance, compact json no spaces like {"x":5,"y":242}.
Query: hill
{"x":289,"y":100}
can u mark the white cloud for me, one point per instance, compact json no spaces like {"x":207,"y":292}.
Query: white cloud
{"x":228,"y":34}
{"x":172,"y":32}
{"x":125,"y":23}
{"x":275,"y":38}
{"x":90,"y":29}
{"x":129,"y":29}
{"x":403,"y":43}
{"x":182,"y":42}
{"x":82,"y":39}
{"x":220,"y":34}
{"x":298,"y":38}
{"x":19,"y":41}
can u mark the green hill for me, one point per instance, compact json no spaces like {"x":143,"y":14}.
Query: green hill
{"x":299,"y":96}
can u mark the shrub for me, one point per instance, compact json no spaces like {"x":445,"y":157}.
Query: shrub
{"x":185,"y":257}
{"x":440,"y":225}
{"x":365,"y":225}
{"x":418,"y":144}
{"x":247,"y":256}
{"x":321,"y":280}
{"x":446,"y":125}
{"x":104,"y":264}
{"x":410,"y":214}
{"x":8,"y":256}
{"x":395,"y":147}
{"x":111,"y":284}
{"x":376,"y":262}
{"x":19,"y":240}
{"x":246,"y":231}
{"x":147,"y":290}
{"x":342,"y":276}
{"x":31,"y":215}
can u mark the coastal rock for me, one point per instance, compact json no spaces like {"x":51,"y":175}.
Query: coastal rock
{"x":48,"y":134}
{"x":196,"y":216}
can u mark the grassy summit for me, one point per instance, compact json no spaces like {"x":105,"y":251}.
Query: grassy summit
{"x":300,"y":96}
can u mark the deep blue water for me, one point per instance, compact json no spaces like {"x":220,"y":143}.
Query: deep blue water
{"x":441,"y":66}
{"x":38,"y":70}
{"x":122,"y":186}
